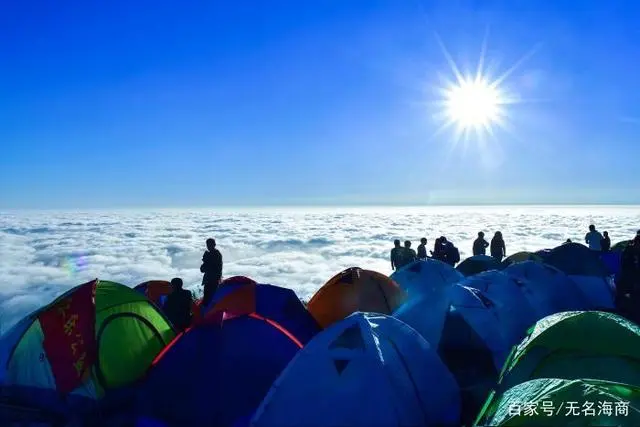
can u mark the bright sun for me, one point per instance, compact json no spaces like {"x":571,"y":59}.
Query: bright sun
{"x":473,"y":103}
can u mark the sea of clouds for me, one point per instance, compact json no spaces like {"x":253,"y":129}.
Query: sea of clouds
{"x":44,"y":253}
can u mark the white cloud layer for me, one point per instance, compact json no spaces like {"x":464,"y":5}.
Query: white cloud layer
{"x":43,"y":254}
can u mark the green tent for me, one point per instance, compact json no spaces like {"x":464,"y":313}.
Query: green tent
{"x":567,"y":403}
{"x":128,"y":332}
{"x":574,"y":345}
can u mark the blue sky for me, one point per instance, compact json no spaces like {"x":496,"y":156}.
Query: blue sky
{"x":207,"y":103}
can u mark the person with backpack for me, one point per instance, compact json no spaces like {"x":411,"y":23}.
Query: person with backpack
{"x":452,"y":254}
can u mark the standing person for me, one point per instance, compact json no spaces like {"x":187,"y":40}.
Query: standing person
{"x":396,"y":253}
{"x":212,"y":269}
{"x":422,"y":248}
{"x":409,"y":255}
{"x":480,"y":245}
{"x":178,"y":305}
{"x":498,"y":248}
{"x":451,"y":253}
{"x":605,"y":244}
{"x":438,"y":250}
{"x":593,"y":238}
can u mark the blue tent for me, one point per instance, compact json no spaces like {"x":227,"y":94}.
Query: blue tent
{"x":424,"y":277}
{"x":514,"y":309}
{"x":587,"y":270}
{"x":429,"y":315}
{"x":216,"y":372}
{"x":366,"y":370}
{"x":548,"y":289}
{"x":612,"y":260}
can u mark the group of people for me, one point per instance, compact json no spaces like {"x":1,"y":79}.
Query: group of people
{"x":445,"y":251}
{"x":178,"y":306}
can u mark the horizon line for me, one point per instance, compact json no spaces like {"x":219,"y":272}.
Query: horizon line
{"x":328,"y":205}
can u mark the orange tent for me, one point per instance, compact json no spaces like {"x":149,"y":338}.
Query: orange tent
{"x":355,"y":289}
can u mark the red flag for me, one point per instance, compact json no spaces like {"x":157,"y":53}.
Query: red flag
{"x":70,"y":338}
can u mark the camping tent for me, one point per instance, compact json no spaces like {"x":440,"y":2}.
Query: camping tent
{"x":355,"y":289}
{"x":547,"y":286}
{"x":461,"y":323}
{"x":577,"y":344}
{"x":584,"y":267}
{"x":94,"y":339}
{"x":424,"y":277}
{"x":558,"y":403}
{"x":281,"y":305}
{"x":514,"y":309}
{"x":218,"y":371}
{"x":521,"y":257}
{"x":156,"y":290}
{"x":477,"y":264}
{"x":620,"y":246}
{"x":366,"y":370}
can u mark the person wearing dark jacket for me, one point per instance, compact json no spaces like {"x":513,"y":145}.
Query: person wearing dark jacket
{"x":452,"y":254}
{"x":438,"y":251}
{"x":480,"y":245}
{"x":212,"y":269}
{"x":178,"y":305}
{"x":605,"y":244}
{"x":395,"y":255}
{"x":498,"y":248}
{"x":422,"y":248}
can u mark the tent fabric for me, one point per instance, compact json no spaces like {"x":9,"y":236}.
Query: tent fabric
{"x":621,"y":246}
{"x":273,"y":302}
{"x":514,"y":309}
{"x":612,"y":261}
{"x":425,"y":277}
{"x":521,"y":257}
{"x":477,"y":264}
{"x":366,"y":370}
{"x":216,"y":372}
{"x":556,"y":402}
{"x":578,"y":344}
{"x":129,"y":333}
{"x":428,"y":316}
{"x":547,"y":285}
{"x":355,"y":289}
{"x":576,"y":260}
{"x":599,"y":292}
{"x":156,"y":290}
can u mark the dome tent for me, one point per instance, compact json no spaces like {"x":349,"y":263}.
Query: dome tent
{"x":577,"y":344}
{"x":521,"y":257}
{"x":281,"y":305}
{"x":587,"y":270}
{"x":220,"y":369}
{"x":514,"y":309}
{"x":75,"y":347}
{"x":424,"y":277}
{"x":366,"y":370}
{"x":461,"y":323}
{"x":477,"y":264}
{"x":547,"y":287}
{"x":156,"y":290}
{"x":355,"y":289}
